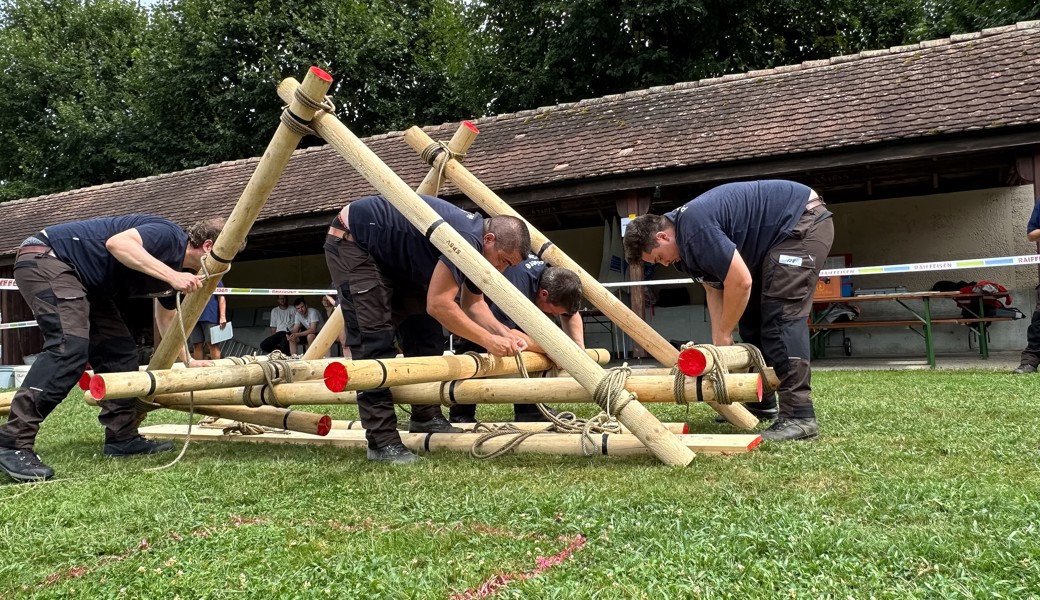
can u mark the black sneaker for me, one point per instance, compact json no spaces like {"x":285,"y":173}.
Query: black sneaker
{"x":1024,"y":369}
{"x":24,"y":465}
{"x":135,"y":446}
{"x":461,"y":419}
{"x":762,"y":414}
{"x":395,"y":454}
{"x":790,"y":429}
{"x":534,"y":416}
{"x":437,"y":424}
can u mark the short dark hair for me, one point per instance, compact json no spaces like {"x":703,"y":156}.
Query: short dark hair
{"x":510,"y":234}
{"x":564,"y":287}
{"x":207,"y":229}
{"x":641,"y":236}
{"x":298,"y":301}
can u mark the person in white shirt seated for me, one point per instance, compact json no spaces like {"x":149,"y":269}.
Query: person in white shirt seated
{"x":305,"y":327}
{"x":282,"y":319}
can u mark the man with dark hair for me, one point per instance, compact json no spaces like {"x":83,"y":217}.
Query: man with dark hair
{"x":306,"y":324}
{"x":394,"y":283}
{"x":1031,"y":355}
{"x":758,"y":248}
{"x":71,"y":274}
{"x":557,"y":293}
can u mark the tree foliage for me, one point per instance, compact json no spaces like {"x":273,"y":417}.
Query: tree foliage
{"x":105,"y":90}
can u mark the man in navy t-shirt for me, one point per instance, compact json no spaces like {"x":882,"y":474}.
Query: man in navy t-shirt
{"x":71,"y":274}
{"x":556,"y":292}
{"x":758,"y":248}
{"x":394,"y":283}
{"x":1031,"y":355}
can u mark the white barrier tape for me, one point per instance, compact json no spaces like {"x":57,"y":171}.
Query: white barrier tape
{"x":949,"y":265}
{"x":18,"y":325}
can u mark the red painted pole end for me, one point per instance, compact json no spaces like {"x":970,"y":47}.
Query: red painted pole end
{"x":470,"y":126}
{"x":686,"y":428}
{"x":84,"y":381}
{"x":760,"y":388}
{"x":324,"y":425}
{"x":97,"y":387}
{"x":692,"y":363}
{"x":755,"y":442}
{"x":336,"y":377}
{"x":321,"y":74}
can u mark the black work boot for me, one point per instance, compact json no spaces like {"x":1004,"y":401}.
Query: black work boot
{"x":762,"y":414}
{"x":788,"y":429}
{"x":533,"y":415}
{"x":462,"y":419}
{"x":395,"y":454}
{"x":437,"y":424}
{"x":135,"y":446}
{"x":24,"y":465}
{"x":1024,"y":369}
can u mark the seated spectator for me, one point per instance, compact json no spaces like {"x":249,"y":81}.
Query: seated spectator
{"x":282,"y":319}
{"x":305,"y":327}
{"x":215,"y":314}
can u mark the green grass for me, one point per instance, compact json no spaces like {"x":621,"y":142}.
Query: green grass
{"x":922,"y":485}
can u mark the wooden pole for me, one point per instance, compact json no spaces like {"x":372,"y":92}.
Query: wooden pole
{"x":269,"y":416}
{"x":694,"y":362}
{"x":561,"y":348}
{"x":263,"y":180}
{"x":741,"y":387}
{"x":611,"y":444}
{"x":598,"y":295}
{"x":518,"y":425}
{"x":371,"y":374}
{"x":142,"y":384}
{"x":460,"y":143}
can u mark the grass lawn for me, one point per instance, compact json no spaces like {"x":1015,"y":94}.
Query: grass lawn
{"x":922,"y":485}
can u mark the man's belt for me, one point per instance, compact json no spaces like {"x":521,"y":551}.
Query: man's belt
{"x":814,"y":201}
{"x":340,"y":233}
{"x":32,"y":249}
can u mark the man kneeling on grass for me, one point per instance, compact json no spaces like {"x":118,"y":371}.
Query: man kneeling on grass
{"x":70,"y":275}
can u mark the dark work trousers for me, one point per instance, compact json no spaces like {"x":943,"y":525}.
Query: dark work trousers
{"x":75,"y":327}
{"x":1031,"y":355}
{"x":276,"y":341}
{"x":470,"y":410}
{"x":377,"y":310}
{"x":777,"y":316}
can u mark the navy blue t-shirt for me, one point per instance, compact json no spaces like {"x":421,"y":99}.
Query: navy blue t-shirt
{"x":750,"y":217}
{"x":1034,"y":219}
{"x":402,"y":252}
{"x":524,"y":276}
{"x":82,"y":245}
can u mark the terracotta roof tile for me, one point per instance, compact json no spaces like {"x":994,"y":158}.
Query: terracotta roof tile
{"x":971,"y":82}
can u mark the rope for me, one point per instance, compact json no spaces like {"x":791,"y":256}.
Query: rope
{"x":717,"y":374}
{"x":429,"y":155}
{"x":293,"y":123}
{"x":612,"y":384}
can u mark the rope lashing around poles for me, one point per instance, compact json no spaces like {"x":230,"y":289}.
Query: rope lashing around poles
{"x":275,"y":371}
{"x":298,"y":126}
{"x":612,"y":384}
{"x":717,"y":373}
{"x":429,"y":155}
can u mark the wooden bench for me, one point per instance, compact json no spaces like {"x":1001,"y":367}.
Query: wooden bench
{"x":923,"y":319}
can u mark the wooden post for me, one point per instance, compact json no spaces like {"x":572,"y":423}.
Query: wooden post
{"x":460,"y":143}
{"x":610,"y":444}
{"x":268,"y":416}
{"x":606,"y":302}
{"x":142,"y":384}
{"x":371,"y":374}
{"x":741,"y":387}
{"x":263,"y":180}
{"x":561,"y":348}
{"x":338,"y":424}
{"x":694,"y":362}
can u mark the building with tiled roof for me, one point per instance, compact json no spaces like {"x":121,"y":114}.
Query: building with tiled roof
{"x":938,"y":118}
